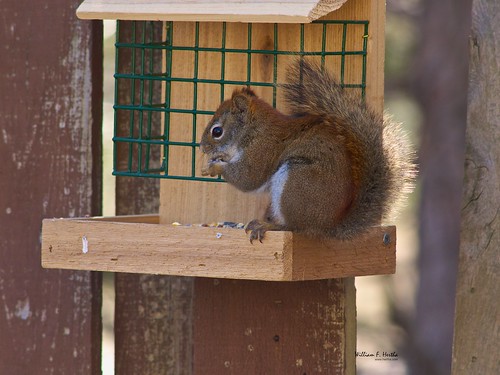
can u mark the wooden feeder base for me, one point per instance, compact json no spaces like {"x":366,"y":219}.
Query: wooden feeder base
{"x":138,"y":244}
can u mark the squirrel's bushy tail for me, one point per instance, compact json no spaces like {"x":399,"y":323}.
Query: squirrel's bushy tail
{"x":388,"y":167}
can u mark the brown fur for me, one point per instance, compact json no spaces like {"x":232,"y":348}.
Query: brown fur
{"x":346,"y":166}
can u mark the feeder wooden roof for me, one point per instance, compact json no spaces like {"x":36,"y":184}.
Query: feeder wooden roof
{"x":292,"y":11}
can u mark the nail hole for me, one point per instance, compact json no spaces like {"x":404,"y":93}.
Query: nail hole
{"x":387,"y":239}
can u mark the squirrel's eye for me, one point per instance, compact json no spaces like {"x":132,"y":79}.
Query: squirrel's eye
{"x":217,"y":132}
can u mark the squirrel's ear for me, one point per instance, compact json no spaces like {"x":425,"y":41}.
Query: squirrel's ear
{"x":248,"y":91}
{"x":240,"y":102}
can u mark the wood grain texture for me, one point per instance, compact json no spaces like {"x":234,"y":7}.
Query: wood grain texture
{"x":273,"y":328}
{"x":206,"y":10}
{"x":50,"y":108}
{"x":366,"y":255}
{"x":153,"y":324}
{"x":477,"y":317}
{"x":211,"y":252}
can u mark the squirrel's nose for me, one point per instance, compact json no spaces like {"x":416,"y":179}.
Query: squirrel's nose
{"x":204,"y":147}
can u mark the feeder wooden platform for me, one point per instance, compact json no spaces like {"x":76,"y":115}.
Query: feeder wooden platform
{"x":138,"y":244}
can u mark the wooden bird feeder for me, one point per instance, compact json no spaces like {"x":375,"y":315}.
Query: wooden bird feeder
{"x":180,"y":73}
{"x":186,"y":57}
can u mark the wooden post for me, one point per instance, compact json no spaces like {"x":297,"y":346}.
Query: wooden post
{"x":253,"y":327}
{"x":476,"y":339}
{"x":50,"y":111}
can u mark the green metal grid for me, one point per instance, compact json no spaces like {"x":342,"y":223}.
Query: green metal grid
{"x":140,"y":133}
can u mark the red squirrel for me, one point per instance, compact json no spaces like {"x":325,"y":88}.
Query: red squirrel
{"x":332,"y":167}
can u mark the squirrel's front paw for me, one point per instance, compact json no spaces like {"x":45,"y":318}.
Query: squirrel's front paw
{"x":212,"y":169}
{"x":205,"y":170}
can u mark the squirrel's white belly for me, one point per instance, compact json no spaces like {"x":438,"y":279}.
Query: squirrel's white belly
{"x":276,"y":186}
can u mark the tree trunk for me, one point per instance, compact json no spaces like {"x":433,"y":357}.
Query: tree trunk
{"x":476,"y":338}
{"x":441,"y":89}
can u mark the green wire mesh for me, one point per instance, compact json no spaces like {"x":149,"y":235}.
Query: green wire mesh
{"x":144,"y":106}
